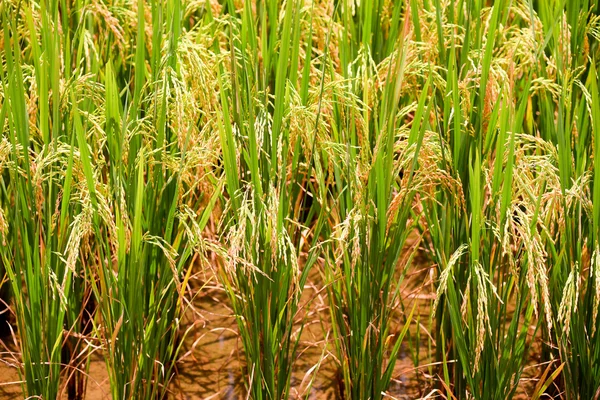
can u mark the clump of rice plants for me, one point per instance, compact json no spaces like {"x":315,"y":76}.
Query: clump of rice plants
{"x":496,"y":246}
{"x":143,"y":211}
{"x":371,"y":199}
{"x":574,"y":278}
{"x":42,"y":223}
{"x":267,"y":179}
{"x":483,"y":223}
{"x":104,"y":203}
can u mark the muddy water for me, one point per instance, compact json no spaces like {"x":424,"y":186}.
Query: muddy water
{"x":9,"y":379}
{"x":213,"y":365}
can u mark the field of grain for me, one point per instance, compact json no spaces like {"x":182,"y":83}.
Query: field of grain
{"x":300,"y":199}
